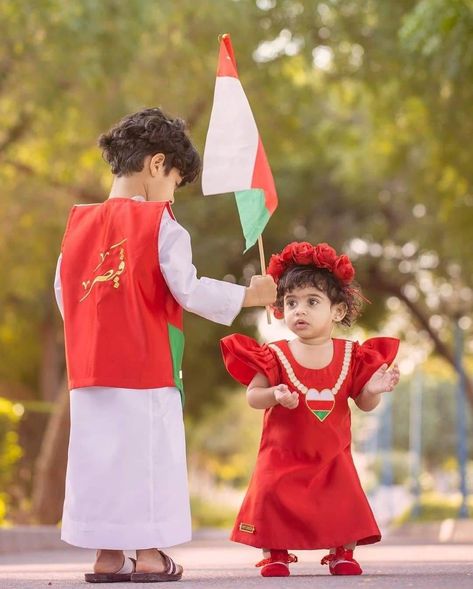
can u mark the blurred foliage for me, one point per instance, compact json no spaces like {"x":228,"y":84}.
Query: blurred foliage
{"x":399,"y":461}
{"x":10,"y":450}
{"x":208,"y":514}
{"x":31,"y":428}
{"x":435,"y":507}
{"x":364,"y":107}
{"x":365,"y":110}
{"x":224,"y":443}
{"x":438,"y":419}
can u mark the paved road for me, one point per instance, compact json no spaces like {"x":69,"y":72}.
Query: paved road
{"x":221,"y":564}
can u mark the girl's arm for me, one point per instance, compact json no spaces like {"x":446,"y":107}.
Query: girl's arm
{"x":260,"y":396}
{"x":382,"y":381}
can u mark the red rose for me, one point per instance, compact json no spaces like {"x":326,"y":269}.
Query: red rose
{"x":276,"y":267}
{"x":343,"y":269}
{"x":278,"y":313}
{"x":302,"y":252}
{"x":324,"y":256}
{"x":286,"y":254}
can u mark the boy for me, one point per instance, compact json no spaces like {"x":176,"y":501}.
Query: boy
{"x":124,"y":275}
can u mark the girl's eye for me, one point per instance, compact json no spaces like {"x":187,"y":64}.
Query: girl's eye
{"x":313,"y":302}
{"x":291,"y":304}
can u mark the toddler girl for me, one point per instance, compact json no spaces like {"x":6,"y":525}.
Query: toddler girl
{"x":305,"y":493}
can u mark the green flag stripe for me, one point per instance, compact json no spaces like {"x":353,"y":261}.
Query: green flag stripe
{"x":176,"y":342}
{"x":321,"y":414}
{"x":253,"y":214}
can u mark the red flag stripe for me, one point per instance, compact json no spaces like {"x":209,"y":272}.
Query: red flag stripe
{"x":320,"y":405}
{"x":263,"y":178}
{"x":226,"y":59}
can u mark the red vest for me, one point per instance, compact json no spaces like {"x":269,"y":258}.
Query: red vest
{"x":123,"y":327}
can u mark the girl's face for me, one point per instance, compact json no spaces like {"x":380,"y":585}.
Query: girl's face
{"x":309,"y":313}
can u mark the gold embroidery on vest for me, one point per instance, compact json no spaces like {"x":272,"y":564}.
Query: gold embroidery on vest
{"x":112,"y":274}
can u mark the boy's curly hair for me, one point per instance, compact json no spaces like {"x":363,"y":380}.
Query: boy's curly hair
{"x":148,"y":132}
{"x":325,"y":281}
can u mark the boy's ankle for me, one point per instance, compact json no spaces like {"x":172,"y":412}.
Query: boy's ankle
{"x":150,"y":560}
{"x":108,"y":561}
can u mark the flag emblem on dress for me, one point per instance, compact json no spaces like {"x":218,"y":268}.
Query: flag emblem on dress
{"x":234,"y":157}
{"x":320,"y":403}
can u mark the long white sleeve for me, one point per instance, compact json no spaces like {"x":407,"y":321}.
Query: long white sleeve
{"x":57,"y":286}
{"x":216,"y":300}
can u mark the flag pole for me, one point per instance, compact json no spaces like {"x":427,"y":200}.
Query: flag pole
{"x":263,"y":272}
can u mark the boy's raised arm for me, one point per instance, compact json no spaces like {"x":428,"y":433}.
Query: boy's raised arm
{"x":212,"y":299}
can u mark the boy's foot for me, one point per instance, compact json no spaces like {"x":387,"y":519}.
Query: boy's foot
{"x":277,"y":565}
{"x":111,"y":566}
{"x":155,"y":566}
{"x":342,"y":562}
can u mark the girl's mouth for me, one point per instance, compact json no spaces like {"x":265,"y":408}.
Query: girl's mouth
{"x":301,"y":323}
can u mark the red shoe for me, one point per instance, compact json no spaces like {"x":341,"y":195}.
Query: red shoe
{"x":342,"y":562}
{"x":277,"y":564}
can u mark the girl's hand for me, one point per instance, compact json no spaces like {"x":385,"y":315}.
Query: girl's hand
{"x":284,"y":397}
{"x":383,"y":380}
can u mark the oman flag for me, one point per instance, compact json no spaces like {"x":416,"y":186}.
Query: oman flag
{"x":320,"y":403}
{"x":234,"y":157}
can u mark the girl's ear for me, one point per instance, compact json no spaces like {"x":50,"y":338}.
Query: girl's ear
{"x":339,"y":311}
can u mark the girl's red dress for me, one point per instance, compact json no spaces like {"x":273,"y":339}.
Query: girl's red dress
{"x":305,"y":492}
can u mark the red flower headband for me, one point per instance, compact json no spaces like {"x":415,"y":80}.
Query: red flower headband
{"x":321,"y":255}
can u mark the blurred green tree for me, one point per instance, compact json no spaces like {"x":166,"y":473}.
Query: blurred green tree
{"x":366,"y":113}
{"x":10,"y":450}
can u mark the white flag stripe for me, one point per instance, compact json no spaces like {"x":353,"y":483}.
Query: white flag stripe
{"x":232,"y":140}
{"x":315,"y":395}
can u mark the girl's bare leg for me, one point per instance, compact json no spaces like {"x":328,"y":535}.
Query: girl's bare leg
{"x":350,"y":546}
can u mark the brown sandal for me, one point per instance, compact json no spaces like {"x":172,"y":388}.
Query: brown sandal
{"x":172,"y":572}
{"x":121,"y":576}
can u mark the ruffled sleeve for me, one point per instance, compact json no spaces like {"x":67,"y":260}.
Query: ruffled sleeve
{"x":368,"y":357}
{"x":244,"y":357}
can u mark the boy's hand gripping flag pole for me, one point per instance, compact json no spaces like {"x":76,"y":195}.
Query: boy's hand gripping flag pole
{"x":234,"y":157}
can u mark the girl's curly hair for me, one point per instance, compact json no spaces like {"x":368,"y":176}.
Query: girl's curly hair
{"x":148,"y":132}
{"x":322,"y":279}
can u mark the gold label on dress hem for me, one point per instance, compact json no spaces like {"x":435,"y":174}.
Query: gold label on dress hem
{"x":249,"y":528}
